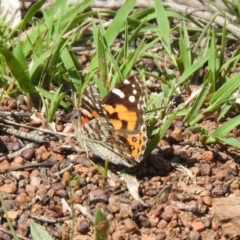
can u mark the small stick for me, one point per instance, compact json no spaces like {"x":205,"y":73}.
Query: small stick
{"x":9,"y":233}
{"x":17,"y":114}
{"x":36,"y":129}
{"x":17,"y":153}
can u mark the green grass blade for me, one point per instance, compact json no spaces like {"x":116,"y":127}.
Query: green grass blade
{"x":230,"y":141}
{"x":101,"y":226}
{"x":19,"y":73}
{"x":15,"y":237}
{"x":115,"y":28}
{"x":226,"y":127}
{"x":124,"y":51}
{"x":102,"y":59}
{"x":118,"y":22}
{"x":38,"y":232}
{"x":73,"y":68}
{"x":54,"y":104}
{"x":158,"y":136}
{"x":18,"y":53}
{"x":191,"y":70}
{"x":198,"y":103}
{"x":30,"y":13}
{"x":225,"y":91}
{"x":163,"y":23}
{"x":212,"y":62}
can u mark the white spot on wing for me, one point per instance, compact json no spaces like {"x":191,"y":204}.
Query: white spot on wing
{"x":131,"y":99}
{"x":118,"y":92}
{"x":134,"y":91}
{"x":126,"y":81}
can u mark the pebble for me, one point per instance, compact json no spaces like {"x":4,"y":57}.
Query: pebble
{"x":162,"y":224}
{"x":198,"y":226}
{"x":234,"y":185}
{"x":4,"y":164}
{"x":158,"y":211}
{"x":144,"y":221}
{"x":208,"y":156}
{"x":62,"y":193}
{"x":8,"y":188}
{"x":222,"y":174}
{"x":31,"y":190}
{"x":97,"y":195}
{"x":207,"y":200}
{"x":215,"y":224}
{"x":83,"y":228}
{"x":13,"y":215}
{"x":13,"y":146}
{"x":183,"y":155}
{"x":113,"y":207}
{"x":129,"y":225}
{"x":168,"y":213}
{"x":137,"y":207}
{"x":206,"y":221}
{"x":22,"y":199}
{"x":161,"y":236}
{"x":58,"y":186}
{"x":206,"y":169}
{"x":173,"y":224}
{"x":217,"y":192}
{"x":28,"y":154}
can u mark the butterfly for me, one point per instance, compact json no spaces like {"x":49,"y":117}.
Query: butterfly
{"x":113,"y":128}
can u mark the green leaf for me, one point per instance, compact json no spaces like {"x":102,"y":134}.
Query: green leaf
{"x":38,"y":232}
{"x":20,"y":74}
{"x":163,"y":23}
{"x":191,"y":116}
{"x":191,"y":70}
{"x":101,"y":226}
{"x":223,"y":93}
{"x":31,"y":13}
{"x":225,"y":128}
{"x":230,"y":141}
{"x":115,"y":28}
{"x":73,"y":68}
{"x":163,"y":129}
{"x":103,"y":71}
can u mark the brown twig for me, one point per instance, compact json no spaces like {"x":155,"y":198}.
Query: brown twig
{"x":17,"y":153}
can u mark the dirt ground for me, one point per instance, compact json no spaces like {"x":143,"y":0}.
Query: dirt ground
{"x":187,"y":191}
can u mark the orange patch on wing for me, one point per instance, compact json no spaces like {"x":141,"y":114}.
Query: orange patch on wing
{"x":137,"y":141}
{"x":86,"y":119}
{"x":124,"y":115}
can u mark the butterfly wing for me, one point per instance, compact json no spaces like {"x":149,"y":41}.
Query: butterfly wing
{"x":114,"y":128}
{"x":125,"y":106}
{"x":99,"y":136}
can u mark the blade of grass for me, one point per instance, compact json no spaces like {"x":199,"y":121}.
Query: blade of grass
{"x":191,"y":70}
{"x":102,"y":59}
{"x":101,"y":225}
{"x":163,"y":129}
{"x":19,"y":73}
{"x":226,"y":127}
{"x":73,"y":68}
{"x":31,"y":13}
{"x":230,"y":141}
{"x":224,"y":92}
{"x":8,"y":220}
{"x":198,"y":103}
{"x":114,"y":29}
{"x":163,"y":23}
{"x":38,"y":232}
